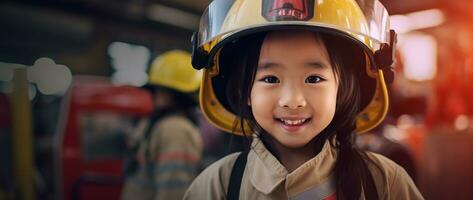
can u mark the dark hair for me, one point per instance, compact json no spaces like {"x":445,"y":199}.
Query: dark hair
{"x":184,"y":103}
{"x":351,"y":169}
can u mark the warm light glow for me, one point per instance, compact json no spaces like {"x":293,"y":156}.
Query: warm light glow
{"x":419,"y":55}
{"x":462,"y":123}
{"x":417,"y":20}
{"x":405,"y":121}
{"x":400,"y":23}
{"x":394,"y":133}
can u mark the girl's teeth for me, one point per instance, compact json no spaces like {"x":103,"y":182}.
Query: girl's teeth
{"x":293,"y":122}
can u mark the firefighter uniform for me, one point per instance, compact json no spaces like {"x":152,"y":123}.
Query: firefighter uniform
{"x":173,"y":164}
{"x":265,"y":177}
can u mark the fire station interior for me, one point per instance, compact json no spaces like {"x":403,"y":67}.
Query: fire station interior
{"x":63,"y":136}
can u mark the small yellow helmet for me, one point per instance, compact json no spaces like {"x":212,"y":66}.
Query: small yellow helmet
{"x":173,"y":69}
{"x":364,"y":23}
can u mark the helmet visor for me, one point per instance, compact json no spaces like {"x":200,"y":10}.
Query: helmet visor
{"x":367,"y":21}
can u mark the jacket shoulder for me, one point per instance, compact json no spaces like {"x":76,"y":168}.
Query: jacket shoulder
{"x":212,"y":183}
{"x":392,"y":180}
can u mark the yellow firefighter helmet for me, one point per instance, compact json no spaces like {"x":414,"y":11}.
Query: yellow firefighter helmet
{"x":173,"y":70}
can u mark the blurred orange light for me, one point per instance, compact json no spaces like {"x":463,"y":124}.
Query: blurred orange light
{"x":419,"y":55}
{"x":417,"y":20}
{"x":462,"y":122}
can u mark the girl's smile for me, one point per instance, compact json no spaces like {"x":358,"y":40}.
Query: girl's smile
{"x":293,"y":124}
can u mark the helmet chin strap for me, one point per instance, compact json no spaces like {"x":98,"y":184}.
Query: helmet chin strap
{"x":384,"y":57}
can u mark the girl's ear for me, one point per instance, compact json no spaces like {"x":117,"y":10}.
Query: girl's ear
{"x":248,"y":102}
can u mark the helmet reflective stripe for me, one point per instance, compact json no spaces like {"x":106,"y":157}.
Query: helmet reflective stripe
{"x":275,"y":10}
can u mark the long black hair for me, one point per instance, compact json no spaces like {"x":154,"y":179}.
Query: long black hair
{"x":351,"y":169}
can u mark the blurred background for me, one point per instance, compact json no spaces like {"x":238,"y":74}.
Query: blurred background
{"x":71,"y":71}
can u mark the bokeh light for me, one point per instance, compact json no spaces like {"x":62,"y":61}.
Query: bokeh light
{"x":49,"y":77}
{"x":419,"y":54}
{"x":130,"y":62}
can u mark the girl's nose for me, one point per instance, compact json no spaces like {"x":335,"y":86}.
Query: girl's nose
{"x":292,"y":97}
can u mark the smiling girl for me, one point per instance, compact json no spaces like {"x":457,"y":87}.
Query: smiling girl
{"x":301,"y":78}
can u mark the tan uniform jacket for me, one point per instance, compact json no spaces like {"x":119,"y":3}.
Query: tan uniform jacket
{"x":175,"y":149}
{"x":266,"y":178}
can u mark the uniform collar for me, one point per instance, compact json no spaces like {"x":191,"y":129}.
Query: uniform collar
{"x":266,"y":172}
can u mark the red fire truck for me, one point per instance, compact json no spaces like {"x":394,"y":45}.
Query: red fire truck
{"x":96,"y":118}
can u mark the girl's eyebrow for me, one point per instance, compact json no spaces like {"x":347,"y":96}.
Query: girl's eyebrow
{"x":267,"y":65}
{"x":311,"y":64}
{"x":316,"y":64}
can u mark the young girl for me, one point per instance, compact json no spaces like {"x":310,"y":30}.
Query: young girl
{"x":302,"y":78}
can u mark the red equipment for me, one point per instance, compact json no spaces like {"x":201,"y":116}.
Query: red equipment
{"x":90,"y":145}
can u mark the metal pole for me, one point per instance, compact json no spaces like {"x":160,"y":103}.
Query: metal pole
{"x":22,"y":136}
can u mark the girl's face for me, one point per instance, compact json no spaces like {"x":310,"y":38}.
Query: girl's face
{"x":294,"y":93}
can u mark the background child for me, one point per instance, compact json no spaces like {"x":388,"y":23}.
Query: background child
{"x":302,"y":77}
{"x":166,"y":147}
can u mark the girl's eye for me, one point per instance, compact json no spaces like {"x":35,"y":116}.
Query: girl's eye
{"x":313,"y":79}
{"x":270,"y":79}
